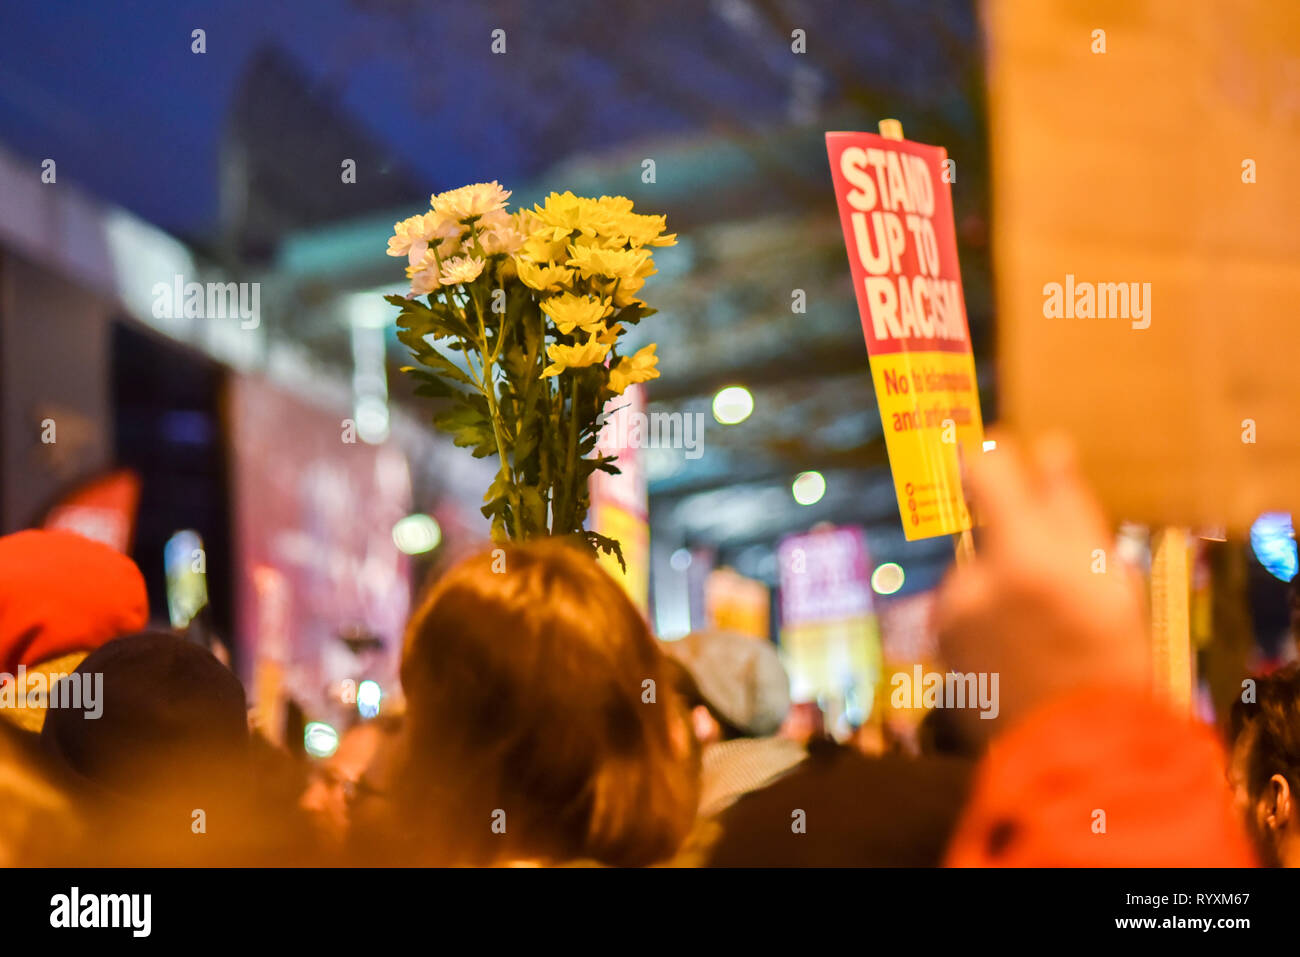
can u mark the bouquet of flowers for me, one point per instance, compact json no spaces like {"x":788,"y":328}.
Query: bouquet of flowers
{"x":515,"y":319}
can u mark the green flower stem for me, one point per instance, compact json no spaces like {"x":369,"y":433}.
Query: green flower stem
{"x":490,"y":393}
{"x":546,"y":466}
{"x":571,"y":489}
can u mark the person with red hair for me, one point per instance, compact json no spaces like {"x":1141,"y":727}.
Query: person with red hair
{"x":542,"y":726}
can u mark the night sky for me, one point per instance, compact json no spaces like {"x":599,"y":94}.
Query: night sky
{"x":114,"y":94}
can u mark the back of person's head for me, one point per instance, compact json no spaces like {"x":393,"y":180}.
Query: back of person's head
{"x":541,"y":724}
{"x":941,"y":733}
{"x":155,"y":709}
{"x":1267,"y":723}
{"x":1264,"y":737}
{"x":738,"y":678}
{"x":159,"y":735}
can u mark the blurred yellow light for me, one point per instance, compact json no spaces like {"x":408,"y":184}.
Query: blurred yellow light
{"x":417,"y":534}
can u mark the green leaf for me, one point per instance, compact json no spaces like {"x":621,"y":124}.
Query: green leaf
{"x":414,"y":314}
{"x":430,"y":385}
{"x":609,"y":546}
{"x":527,"y":440}
{"x":499,"y":489}
{"x":534,"y":508}
{"x":446,"y":368}
{"x":414,"y":340}
{"x":468,"y":426}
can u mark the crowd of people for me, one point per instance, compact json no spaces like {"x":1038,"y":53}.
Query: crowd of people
{"x":545,"y":725}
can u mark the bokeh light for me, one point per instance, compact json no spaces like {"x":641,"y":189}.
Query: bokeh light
{"x":732,"y":405}
{"x":887,"y":578}
{"x":320,"y":740}
{"x":808,"y":488}
{"x":417,"y":534}
{"x":1273,"y":539}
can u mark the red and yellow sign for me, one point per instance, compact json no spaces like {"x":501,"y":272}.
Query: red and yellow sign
{"x":896,"y":211}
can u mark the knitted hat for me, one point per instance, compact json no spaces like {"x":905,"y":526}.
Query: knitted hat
{"x":740,"y":678}
{"x":61,"y":596}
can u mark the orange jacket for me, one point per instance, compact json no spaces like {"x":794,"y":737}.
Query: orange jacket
{"x":1102,"y":778}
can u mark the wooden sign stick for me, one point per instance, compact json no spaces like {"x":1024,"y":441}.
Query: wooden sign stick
{"x":1171,"y":642}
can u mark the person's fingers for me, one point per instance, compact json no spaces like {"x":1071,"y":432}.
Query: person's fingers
{"x":999,"y":488}
{"x":1053,"y":459}
{"x":963,"y":596}
{"x":1073,"y":508}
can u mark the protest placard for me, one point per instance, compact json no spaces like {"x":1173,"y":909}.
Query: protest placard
{"x":896,"y":211}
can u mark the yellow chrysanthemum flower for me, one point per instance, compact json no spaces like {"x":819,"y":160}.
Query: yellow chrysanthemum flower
{"x":625,"y":290}
{"x":560,"y":210}
{"x":540,"y":247}
{"x":569,"y":312}
{"x":526,"y":221}
{"x":599,"y":240}
{"x":543,"y":278}
{"x":584,"y":354}
{"x":614,"y":263}
{"x":608,"y":222}
{"x":641,"y":367}
{"x":469,"y":201}
{"x":647,"y":230}
{"x":612,"y":206}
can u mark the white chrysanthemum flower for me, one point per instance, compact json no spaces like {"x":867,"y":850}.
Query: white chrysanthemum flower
{"x":423,"y":275}
{"x":498,"y":233}
{"x":462,"y":269}
{"x":405,"y":233}
{"x":468,"y":201}
{"x":432,"y":228}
